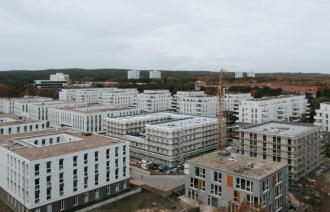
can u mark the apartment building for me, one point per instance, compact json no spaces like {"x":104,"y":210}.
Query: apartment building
{"x":133,"y":74}
{"x":155,"y":100}
{"x":232,"y":101}
{"x":235,"y":181}
{"x":11,"y":124}
{"x":165,"y":138}
{"x":155,"y":74}
{"x":61,"y":170}
{"x":88,"y":118}
{"x":276,"y":108}
{"x":322,"y":117}
{"x":195,"y":103}
{"x":39,"y":110}
{"x":298,"y":145}
{"x":20,"y":106}
{"x":111,"y":96}
{"x":58,"y":80}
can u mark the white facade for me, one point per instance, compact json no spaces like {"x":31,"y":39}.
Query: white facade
{"x":133,"y":74}
{"x":251,"y":74}
{"x":155,"y":74}
{"x":20,"y":106}
{"x":12,"y":124}
{"x":59,"y":77}
{"x":110,"y":96}
{"x":195,"y":103}
{"x":232,"y":101}
{"x":277,"y":108}
{"x":88,"y":119}
{"x":322,"y":117}
{"x":300,"y":146}
{"x":45,"y":172}
{"x":55,"y":81}
{"x":165,"y":138}
{"x":239,"y":74}
{"x":155,"y":100}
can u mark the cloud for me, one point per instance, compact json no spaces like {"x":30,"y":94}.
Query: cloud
{"x":260,"y":35}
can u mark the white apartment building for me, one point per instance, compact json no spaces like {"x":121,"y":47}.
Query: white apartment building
{"x":239,"y":74}
{"x":234,"y":181}
{"x":133,"y":74}
{"x":111,"y":96}
{"x":155,"y":74}
{"x":276,"y":108}
{"x":155,"y":100}
{"x":251,"y":74}
{"x":165,"y":138}
{"x":39,"y":111}
{"x":61,"y":170}
{"x":298,"y":145}
{"x":195,"y":103}
{"x":57,"y":80}
{"x":20,"y":106}
{"x":232,"y":101}
{"x":89,"y":118}
{"x":322,"y":117}
{"x":11,"y":124}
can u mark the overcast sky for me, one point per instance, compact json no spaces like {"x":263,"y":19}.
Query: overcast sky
{"x":240,"y":35}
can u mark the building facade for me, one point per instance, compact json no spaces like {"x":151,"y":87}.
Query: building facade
{"x":195,"y":103}
{"x":133,"y":74}
{"x":234,"y":181}
{"x":322,"y":117}
{"x":89,"y":118}
{"x":277,"y":108}
{"x":155,"y":100}
{"x":60,"y":170}
{"x":155,"y":74}
{"x":58,"y":80}
{"x":298,"y":145}
{"x":232,"y":101}
{"x":165,"y":138}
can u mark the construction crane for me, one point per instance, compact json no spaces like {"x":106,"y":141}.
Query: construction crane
{"x":221,"y":111}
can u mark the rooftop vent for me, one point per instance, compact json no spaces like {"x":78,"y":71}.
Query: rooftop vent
{"x":249,"y":165}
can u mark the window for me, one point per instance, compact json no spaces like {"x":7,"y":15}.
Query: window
{"x":108,"y":189}
{"x":75,"y":160}
{"x":85,"y":182}
{"x":37,"y":169}
{"x":96,"y":155}
{"x":62,"y":205}
{"x":37,"y":184}
{"x":124,"y":171}
{"x":49,"y":163}
{"x":243,"y":184}
{"x":60,"y":164}
{"x":61,"y":180}
{"x":124,"y":150}
{"x":265,"y":185}
{"x":116,"y":173}
{"x":37,"y":196}
{"x":236,"y":196}
{"x":61,"y":189}
{"x":116,"y":151}
{"x":199,"y":172}
{"x":49,"y":181}
{"x":49,"y":193}
{"x":75,"y":200}
{"x":86,"y":197}
{"x":216,"y":190}
{"x":86,"y":158}
{"x":116,"y":162}
{"x":97,"y":193}
{"x":217,"y":177}
{"x":108,"y":153}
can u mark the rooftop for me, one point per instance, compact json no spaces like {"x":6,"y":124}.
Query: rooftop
{"x":95,"y":108}
{"x":11,"y":119}
{"x":275,"y":97}
{"x":20,"y":145}
{"x":281,"y":128}
{"x":238,"y":164}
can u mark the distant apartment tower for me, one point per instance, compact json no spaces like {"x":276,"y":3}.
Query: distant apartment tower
{"x":232,"y":101}
{"x":251,"y":74}
{"x":275,"y":108}
{"x":322,"y":117}
{"x":133,"y":74}
{"x":239,"y":74}
{"x":299,"y":145}
{"x":195,"y":103}
{"x":110,"y":96}
{"x":61,"y":170}
{"x":155,"y":100}
{"x":57,"y":80}
{"x":165,"y":138}
{"x":88,"y":118}
{"x":234,"y":181}
{"x":155,"y":74}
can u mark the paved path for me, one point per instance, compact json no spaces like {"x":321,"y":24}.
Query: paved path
{"x":162,"y":182}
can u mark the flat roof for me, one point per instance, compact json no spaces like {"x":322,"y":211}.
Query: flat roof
{"x":30,"y":152}
{"x":16,"y":120}
{"x":281,"y":128}
{"x":238,"y":164}
{"x":274,"y":97}
{"x":95,"y":108}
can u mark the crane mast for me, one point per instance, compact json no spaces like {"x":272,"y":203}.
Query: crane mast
{"x":221,"y":111}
